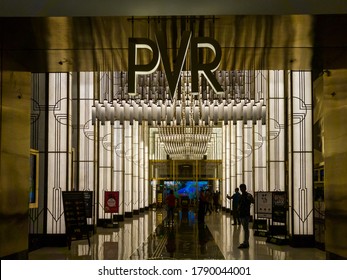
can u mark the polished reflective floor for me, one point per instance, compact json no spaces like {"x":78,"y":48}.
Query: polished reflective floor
{"x":149,"y":236}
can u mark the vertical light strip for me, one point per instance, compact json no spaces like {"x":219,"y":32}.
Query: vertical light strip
{"x":301,"y":119}
{"x":224,"y":164}
{"x":233,"y":159}
{"x":239,"y":152}
{"x":141,"y":168}
{"x":227,"y":144}
{"x":128,"y":168}
{"x":58,"y":125}
{"x":105,"y":167}
{"x":118,"y":170}
{"x":86,"y":139}
{"x":135,"y":163}
{"x":259,"y":156}
{"x":259,"y":133}
{"x":276,"y":135}
{"x":248,"y":152}
{"x":146,"y":163}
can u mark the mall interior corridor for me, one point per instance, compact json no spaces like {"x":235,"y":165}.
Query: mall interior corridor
{"x":105,"y":108}
{"x":218,"y":239}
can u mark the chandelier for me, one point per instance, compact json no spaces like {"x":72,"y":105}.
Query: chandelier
{"x":184,"y":119}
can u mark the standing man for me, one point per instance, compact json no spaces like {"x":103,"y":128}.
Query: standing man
{"x":245,"y":214}
{"x":171,"y":203}
{"x":236,"y":199}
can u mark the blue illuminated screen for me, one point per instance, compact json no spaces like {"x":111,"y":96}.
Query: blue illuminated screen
{"x":185,"y":188}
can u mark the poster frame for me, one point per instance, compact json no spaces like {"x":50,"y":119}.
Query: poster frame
{"x":34,"y":179}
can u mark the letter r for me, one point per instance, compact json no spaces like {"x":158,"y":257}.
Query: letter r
{"x":206,"y":69}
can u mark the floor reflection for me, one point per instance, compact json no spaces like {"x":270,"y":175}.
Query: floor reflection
{"x":150,"y":236}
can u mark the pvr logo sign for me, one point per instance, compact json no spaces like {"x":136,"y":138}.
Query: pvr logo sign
{"x":159,"y":52}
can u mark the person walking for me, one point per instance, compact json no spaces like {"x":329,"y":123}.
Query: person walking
{"x":202,"y":207}
{"x":245,"y":202}
{"x":216,"y":201}
{"x":171,"y":203}
{"x":235,"y":205}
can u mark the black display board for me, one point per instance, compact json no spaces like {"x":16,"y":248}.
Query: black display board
{"x":75,"y":216}
{"x":279,"y":207}
{"x":88,"y":200}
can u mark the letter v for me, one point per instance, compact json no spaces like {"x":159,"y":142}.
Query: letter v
{"x":173,"y":76}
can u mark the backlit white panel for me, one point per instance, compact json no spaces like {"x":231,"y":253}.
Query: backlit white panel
{"x":140,"y":167}
{"x":105,"y":165}
{"x":135,"y":163}
{"x":276,"y":131}
{"x":128,"y":166}
{"x":248,"y":154}
{"x":59,"y":140}
{"x":87,"y":130}
{"x":259,"y":151}
{"x":301,"y":127}
{"x":239,"y":153}
{"x":118,"y":166}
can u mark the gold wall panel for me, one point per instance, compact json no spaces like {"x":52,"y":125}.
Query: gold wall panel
{"x":14,"y":161}
{"x":335,"y":161}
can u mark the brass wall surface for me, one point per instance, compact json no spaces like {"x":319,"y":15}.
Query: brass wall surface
{"x":14,"y":172}
{"x":335,"y":160}
{"x":60,"y":44}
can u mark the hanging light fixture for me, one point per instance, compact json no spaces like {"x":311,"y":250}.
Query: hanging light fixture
{"x":185,"y":120}
{"x":155,"y":105}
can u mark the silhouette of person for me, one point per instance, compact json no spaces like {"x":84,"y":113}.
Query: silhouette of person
{"x":171,"y":203}
{"x":202,"y":207}
{"x":216,"y":201}
{"x":245,"y":214}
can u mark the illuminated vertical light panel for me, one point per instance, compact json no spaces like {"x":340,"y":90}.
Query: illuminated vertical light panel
{"x":227,"y":143}
{"x":135,"y":163}
{"x":276,"y":131}
{"x":259,"y":132}
{"x":247,"y":152}
{"x":146,"y":163}
{"x":302,"y":155}
{"x":259,"y":151}
{"x":105,"y":143}
{"x":105,"y":165}
{"x":118,"y":166}
{"x":224,"y":168}
{"x":233,"y":159}
{"x":140,"y":167}
{"x":128,"y":166}
{"x":239,"y":153}
{"x":59,"y":139}
{"x":86,"y":139}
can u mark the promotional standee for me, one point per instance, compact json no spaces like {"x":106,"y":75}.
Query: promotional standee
{"x":112,"y":207}
{"x":271,"y":216}
{"x":263,"y":213}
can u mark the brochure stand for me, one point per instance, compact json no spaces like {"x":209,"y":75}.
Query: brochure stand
{"x":278,"y":233}
{"x":75,"y":216}
{"x":263,"y":213}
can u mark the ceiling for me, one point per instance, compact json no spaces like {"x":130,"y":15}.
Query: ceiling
{"x":34,"y":8}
